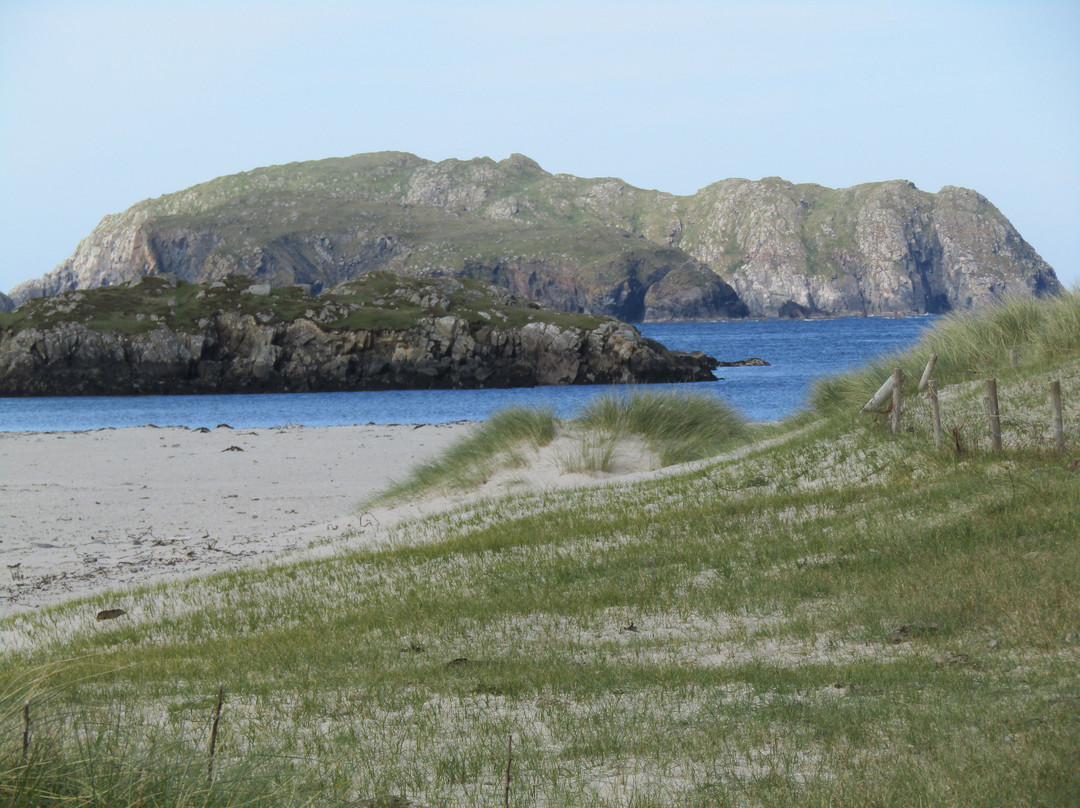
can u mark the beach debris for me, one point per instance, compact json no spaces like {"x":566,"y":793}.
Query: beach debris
{"x":201,"y":429}
{"x":630,"y":627}
{"x":16,"y":573}
{"x":232,"y":449}
{"x":110,"y":614}
{"x":223,"y":426}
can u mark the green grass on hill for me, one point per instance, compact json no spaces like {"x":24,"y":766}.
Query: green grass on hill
{"x":376,"y":300}
{"x":834,"y":616}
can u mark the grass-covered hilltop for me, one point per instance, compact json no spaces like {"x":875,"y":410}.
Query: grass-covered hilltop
{"x":824,"y":612}
{"x":154,"y":334}
{"x":735,"y":248}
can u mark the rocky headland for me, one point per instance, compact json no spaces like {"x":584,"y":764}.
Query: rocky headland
{"x":156,"y":335}
{"x":736,"y":248}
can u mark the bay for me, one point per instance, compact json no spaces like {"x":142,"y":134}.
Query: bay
{"x":799,"y":352}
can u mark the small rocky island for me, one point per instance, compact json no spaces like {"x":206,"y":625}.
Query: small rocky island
{"x":157,"y":335}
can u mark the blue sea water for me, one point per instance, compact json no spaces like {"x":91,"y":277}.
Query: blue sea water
{"x":798,"y":352}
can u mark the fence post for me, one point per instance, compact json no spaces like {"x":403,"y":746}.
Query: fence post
{"x":1014,"y":358}
{"x":1059,"y":424}
{"x":897,"y":398}
{"x":509,"y":760}
{"x":927,"y":371}
{"x":993,"y":414}
{"x":213,"y":733}
{"x":935,"y":412}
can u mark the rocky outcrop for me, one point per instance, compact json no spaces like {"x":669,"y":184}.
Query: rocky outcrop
{"x":736,"y":248}
{"x":6,"y":303}
{"x":881,"y":248}
{"x":241,"y":351}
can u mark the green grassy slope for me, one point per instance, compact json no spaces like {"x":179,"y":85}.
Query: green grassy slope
{"x":376,"y":300}
{"x":830,"y":616}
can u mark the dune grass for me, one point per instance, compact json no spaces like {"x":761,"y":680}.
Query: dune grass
{"x":677,"y":426}
{"x":842,"y":617}
{"x":680,"y":427}
{"x":968,"y":346}
{"x":471,"y":460}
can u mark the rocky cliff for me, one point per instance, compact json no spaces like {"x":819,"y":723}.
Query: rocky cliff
{"x":733,"y":249}
{"x":160,"y":336}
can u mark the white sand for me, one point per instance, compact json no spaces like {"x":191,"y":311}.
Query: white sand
{"x":82,"y":512}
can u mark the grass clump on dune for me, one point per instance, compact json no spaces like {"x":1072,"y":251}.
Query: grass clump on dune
{"x":968,"y":346}
{"x":678,"y":427}
{"x":470,"y":461}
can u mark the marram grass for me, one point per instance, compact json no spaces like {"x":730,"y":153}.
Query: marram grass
{"x":969,"y":346}
{"x":677,"y":426}
{"x":680,"y":427}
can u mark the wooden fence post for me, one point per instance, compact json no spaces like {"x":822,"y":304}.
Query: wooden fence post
{"x":213,"y":733}
{"x":927,"y":371}
{"x":993,"y":414}
{"x":1059,"y":423}
{"x":509,"y":760}
{"x":897,"y":399}
{"x":1014,"y":358}
{"x":935,"y":412}
{"x":879,"y":397}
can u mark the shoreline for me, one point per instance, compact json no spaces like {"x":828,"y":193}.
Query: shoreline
{"x":89,"y":511}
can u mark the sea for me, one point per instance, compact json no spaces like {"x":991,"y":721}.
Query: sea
{"x":799,"y":352}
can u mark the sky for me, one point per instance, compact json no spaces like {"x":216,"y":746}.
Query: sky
{"x":106,"y":103}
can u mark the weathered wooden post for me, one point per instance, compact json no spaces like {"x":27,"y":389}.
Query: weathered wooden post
{"x":213,"y":733}
{"x":927,"y":371}
{"x":509,"y":760}
{"x":935,"y":412}
{"x":1059,"y":423}
{"x":1014,"y":358}
{"x":897,"y":398}
{"x":879,"y":397}
{"x":993,"y":414}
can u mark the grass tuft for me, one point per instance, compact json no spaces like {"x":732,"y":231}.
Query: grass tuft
{"x":470,"y":461}
{"x":680,"y":427}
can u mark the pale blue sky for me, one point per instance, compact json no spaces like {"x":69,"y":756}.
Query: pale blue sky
{"x":105,"y":103}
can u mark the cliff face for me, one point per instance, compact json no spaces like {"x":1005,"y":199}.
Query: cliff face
{"x":733,"y":249}
{"x":882,"y":248}
{"x":188,"y":344}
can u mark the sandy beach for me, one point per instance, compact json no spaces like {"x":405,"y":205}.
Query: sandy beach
{"x":86,"y":512}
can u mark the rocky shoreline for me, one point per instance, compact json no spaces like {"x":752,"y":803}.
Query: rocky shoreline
{"x":234,"y":353}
